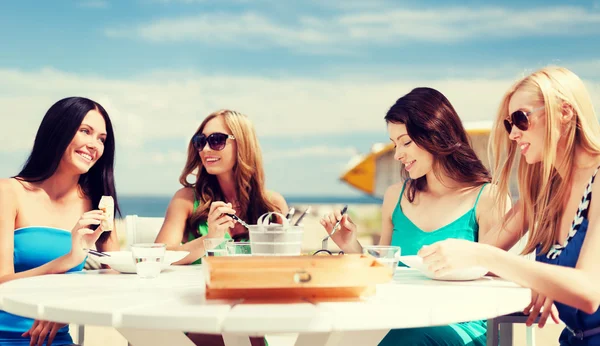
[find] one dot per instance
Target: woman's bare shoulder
(14, 187)
(185, 193)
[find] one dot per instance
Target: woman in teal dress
(225, 159)
(445, 194)
(48, 210)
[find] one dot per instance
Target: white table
(158, 311)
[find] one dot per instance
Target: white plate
(466, 274)
(122, 261)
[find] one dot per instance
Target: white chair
(500, 329)
(77, 333)
(141, 229)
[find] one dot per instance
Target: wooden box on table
(309, 277)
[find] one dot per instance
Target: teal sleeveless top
(34, 246)
(411, 238)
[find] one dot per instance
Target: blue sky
(316, 77)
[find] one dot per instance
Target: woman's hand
(82, 237)
(42, 329)
(218, 221)
(546, 305)
(448, 255)
(345, 236)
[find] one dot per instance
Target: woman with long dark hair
(48, 210)
(445, 194)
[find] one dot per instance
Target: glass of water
(216, 246)
(148, 259)
(239, 249)
(386, 255)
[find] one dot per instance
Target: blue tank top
(34, 246)
(411, 238)
(567, 255)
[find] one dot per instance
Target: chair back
(142, 229)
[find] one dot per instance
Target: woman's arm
(8, 215)
(347, 236)
(171, 233)
(279, 202)
(490, 219)
(578, 287)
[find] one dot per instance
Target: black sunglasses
(520, 119)
(216, 141)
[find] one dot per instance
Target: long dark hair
(433, 124)
(58, 127)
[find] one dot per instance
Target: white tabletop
(175, 302)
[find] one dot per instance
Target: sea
(156, 206)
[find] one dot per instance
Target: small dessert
(107, 205)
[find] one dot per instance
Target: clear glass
(148, 259)
(386, 255)
(275, 240)
(239, 249)
(216, 246)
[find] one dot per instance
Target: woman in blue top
(446, 195)
(548, 116)
(48, 210)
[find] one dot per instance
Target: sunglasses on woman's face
(520, 119)
(216, 141)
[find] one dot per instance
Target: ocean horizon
(156, 206)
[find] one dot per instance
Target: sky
(315, 77)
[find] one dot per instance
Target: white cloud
(170, 157)
(171, 105)
(93, 4)
(247, 30)
(167, 107)
(313, 151)
(461, 23)
(340, 32)
(179, 1)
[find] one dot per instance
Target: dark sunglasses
(520, 119)
(216, 141)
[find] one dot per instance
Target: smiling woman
(68, 171)
(225, 159)
(445, 194)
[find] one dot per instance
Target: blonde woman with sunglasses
(225, 159)
(548, 119)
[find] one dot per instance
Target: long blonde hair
(542, 190)
(248, 173)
